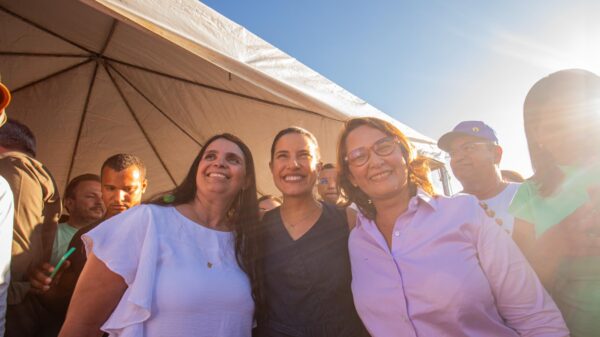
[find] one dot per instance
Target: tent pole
(221, 90)
(51, 75)
(155, 106)
(81, 122)
(139, 124)
(10, 53)
(44, 29)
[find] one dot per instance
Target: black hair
(328, 166)
(122, 161)
(16, 136)
(72, 186)
(297, 130)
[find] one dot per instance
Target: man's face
(327, 186)
(472, 159)
(122, 190)
(86, 204)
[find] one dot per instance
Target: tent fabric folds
(156, 78)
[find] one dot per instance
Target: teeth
(381, 175)
(292, 178)
(218, 175)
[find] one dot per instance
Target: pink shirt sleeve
(520, 297)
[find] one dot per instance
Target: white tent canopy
(156, 78)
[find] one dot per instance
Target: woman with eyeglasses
(306, 270)
(428, 265)
(557, 223)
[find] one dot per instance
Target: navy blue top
(307, 281)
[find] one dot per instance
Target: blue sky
(432, 64)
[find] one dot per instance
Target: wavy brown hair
(418, 168)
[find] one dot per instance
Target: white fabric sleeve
(520, 297)
(6, 234)
(128, 245)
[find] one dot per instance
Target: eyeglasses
(467, 148)
(383, 147)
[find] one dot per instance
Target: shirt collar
(420, 197)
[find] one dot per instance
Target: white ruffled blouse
(183, 278)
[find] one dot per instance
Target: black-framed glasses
(467, 148)
(383, 147)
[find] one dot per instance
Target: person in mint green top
(83, 200)
(557, 210)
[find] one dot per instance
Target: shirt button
(397, 233)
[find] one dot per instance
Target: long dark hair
(417, 166)
(575, 94)
(243, 213)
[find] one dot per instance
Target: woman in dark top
(305, 265)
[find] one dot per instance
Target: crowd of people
(361, 247)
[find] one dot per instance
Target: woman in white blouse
(179, 266)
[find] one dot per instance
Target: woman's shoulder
(459, 209)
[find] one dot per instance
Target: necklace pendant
(209, 265)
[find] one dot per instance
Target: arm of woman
(520, 298)
(545, 255)
(96, 295)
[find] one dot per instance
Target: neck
(487, 188)
(298, 206)
(78, 223)
(211, 213)
(389, 209)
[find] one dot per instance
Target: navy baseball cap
(468, 128)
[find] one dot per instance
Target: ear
(497, 154)
(68, 204)
(144, 185)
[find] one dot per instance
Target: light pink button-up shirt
(451, 271)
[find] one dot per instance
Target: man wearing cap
(475, 161)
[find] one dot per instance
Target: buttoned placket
(401, 225)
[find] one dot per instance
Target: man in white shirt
(6, 234)
(6, 222)
(475, 161)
